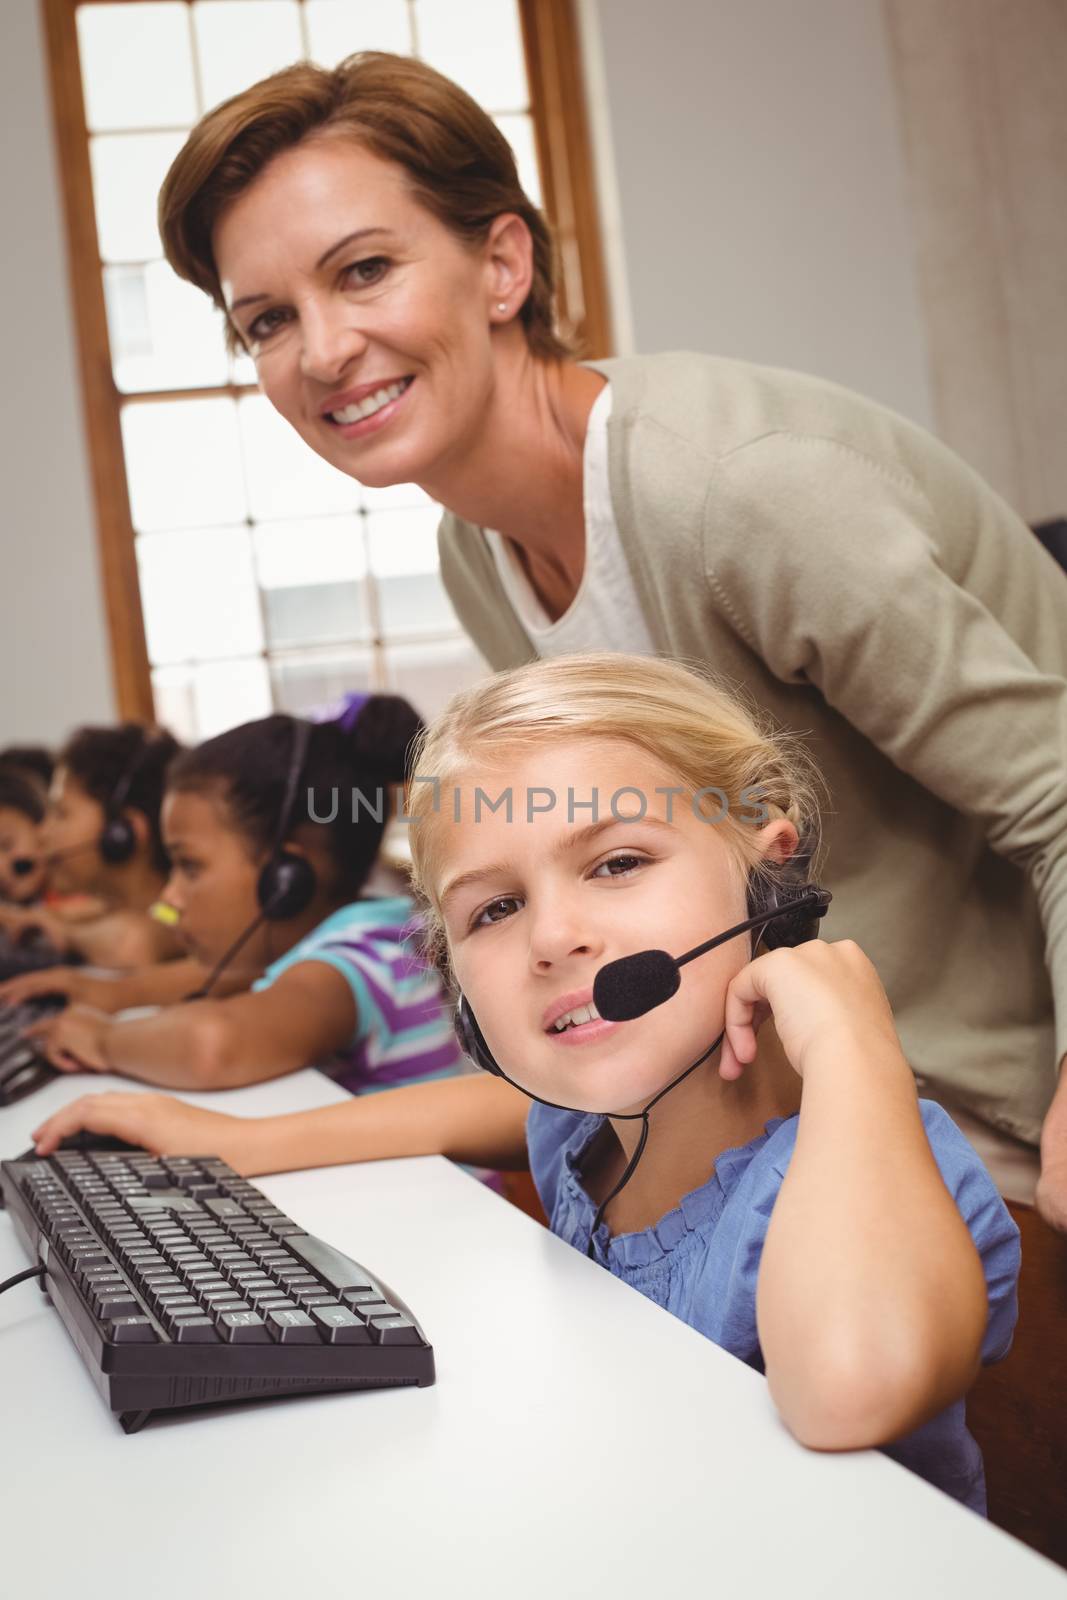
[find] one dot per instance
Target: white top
(605, 613)
(561, 1396)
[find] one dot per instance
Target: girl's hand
(69, 981)
(158, 1122)
(18, 921)
(818, 993)
(74, 1041)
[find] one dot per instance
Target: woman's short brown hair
(459, 165)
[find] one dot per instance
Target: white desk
(579, 1441)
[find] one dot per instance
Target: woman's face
(213, 877)
(19, 843)
(369, 321)
(534, 908)
(71, 831)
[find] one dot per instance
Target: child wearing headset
(774, 1183)
(267, 875)
(22, 867)
(100, 842)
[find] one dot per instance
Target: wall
(54, 662)
(761, 186)
(981, 87)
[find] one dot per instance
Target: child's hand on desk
(158, 1122)
(73, 1041)
(17, 922)
(69, 981)
(820, 995)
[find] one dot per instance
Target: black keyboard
(182, 1285)
(32, 953)
(21, 1068)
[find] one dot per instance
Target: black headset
(117, 843)
(771, 897)
(287, 883)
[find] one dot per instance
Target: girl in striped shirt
(273, 830)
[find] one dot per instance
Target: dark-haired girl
(22, 867)
(100, 841)
(340, 982)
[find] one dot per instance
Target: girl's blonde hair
(696, 728)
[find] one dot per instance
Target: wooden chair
(519, 1189)
(1017, 1410)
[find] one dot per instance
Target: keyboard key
(196, 1330)
(339, 1325)
(292, 1327)
(132, 1330)
(395, 1330)
(243, 1327)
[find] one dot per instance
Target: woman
(365, 233)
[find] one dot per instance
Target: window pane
(285, 476)
(242, 369)
(312, 577)
(338, 27)
(311, 680)
(175, 706)
(198, 594)
(430, 674)
(479, 44)
(403, 557)
(240, 41)
(137, 66)
(183, 463)
(164, 333)
(128, 169)
(228, 692)
(518, 131)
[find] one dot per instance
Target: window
(264, 577)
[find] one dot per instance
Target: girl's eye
(265, 324)
(371, 270)
(495, 911)
(619, 866)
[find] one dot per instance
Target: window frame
(557, 107)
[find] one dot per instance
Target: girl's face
(533, 909)
(19, 841)
(73, 823)
(349, 293)
(212, 880)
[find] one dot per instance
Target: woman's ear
(509, 255)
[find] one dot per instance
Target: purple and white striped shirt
(404, 1028)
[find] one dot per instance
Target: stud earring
(502, 305)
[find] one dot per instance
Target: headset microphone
(784, 912)
(629, 987)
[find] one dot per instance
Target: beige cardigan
(862, 584)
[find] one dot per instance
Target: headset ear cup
(471, 1041)
(786, 932)
(118, 841)
(286, 886)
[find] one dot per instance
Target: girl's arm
(871, 1300)
(305, 1016)
(110, 939)
(164, 984)
(475, 1118)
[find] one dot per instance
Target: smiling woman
(366, 232)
